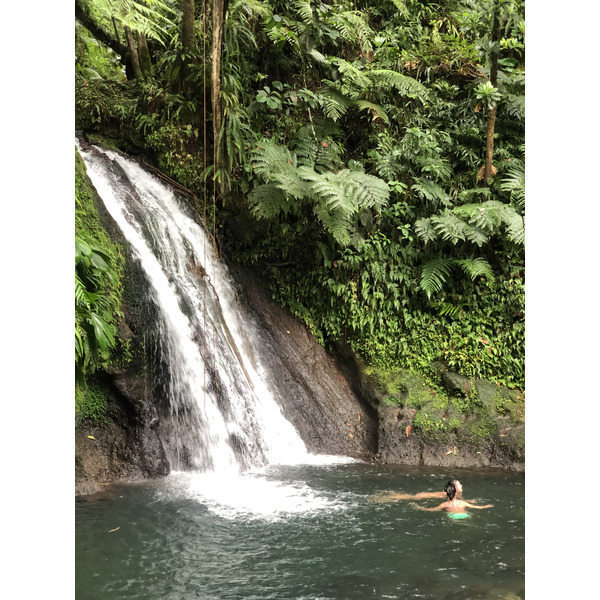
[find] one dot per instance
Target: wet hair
(450, 489)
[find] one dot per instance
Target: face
(458, 487)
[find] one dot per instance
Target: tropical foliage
(377, 149)
(98, 268)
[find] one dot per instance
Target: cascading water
(224, 419)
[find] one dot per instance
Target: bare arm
(475, 506)
(430, 495)
(389, 496)
(419, 507)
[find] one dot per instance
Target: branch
(99, 33)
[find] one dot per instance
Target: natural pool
(301, 532)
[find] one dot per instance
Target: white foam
(254, 496)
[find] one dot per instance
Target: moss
(511, 404)
(439, 417)
(91, 404)
(481, 428)
(401, 387)
(470, 403)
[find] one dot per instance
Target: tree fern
(337, 197)
(330, 191)
(370, 191)
(515, 225)
(476, 235)
(336, 223)
(269, 156)
(150, 17)
(322, 153)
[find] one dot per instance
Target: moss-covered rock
(461, 423)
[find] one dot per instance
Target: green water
(301, 532)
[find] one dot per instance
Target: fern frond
(376, 108)
(476, 267)
(267, 201)
(81, 293)
(353, 28)
(330, 188)
(431, 191)
(305, 11)
(483, 215)
(91, 75)
(514, 183)
(338, 225)
(272, 160)
(515, 225)
(476, 235)
(370, 191)
(405, 85)
(402, 8)
(335, 104)
(353, 74)
(468, 195)
(434, 275)
(322, 154)
(142, 16)
(449, 227)
(318, 57)
(515, 106)
(447, 309)
(424, 229)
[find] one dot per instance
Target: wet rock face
(126, 446)
(319, 393)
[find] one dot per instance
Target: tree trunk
(188, 42)
(188, 36)
(218, 22)
(489, 146)
(491, 122)
(144, 54)
(135, 59)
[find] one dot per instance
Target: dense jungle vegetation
(367, 157)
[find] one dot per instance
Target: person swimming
(389, 496)
(455, 505)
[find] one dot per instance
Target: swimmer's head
(450, 490)
(457, 485)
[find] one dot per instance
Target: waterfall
(223, 416)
